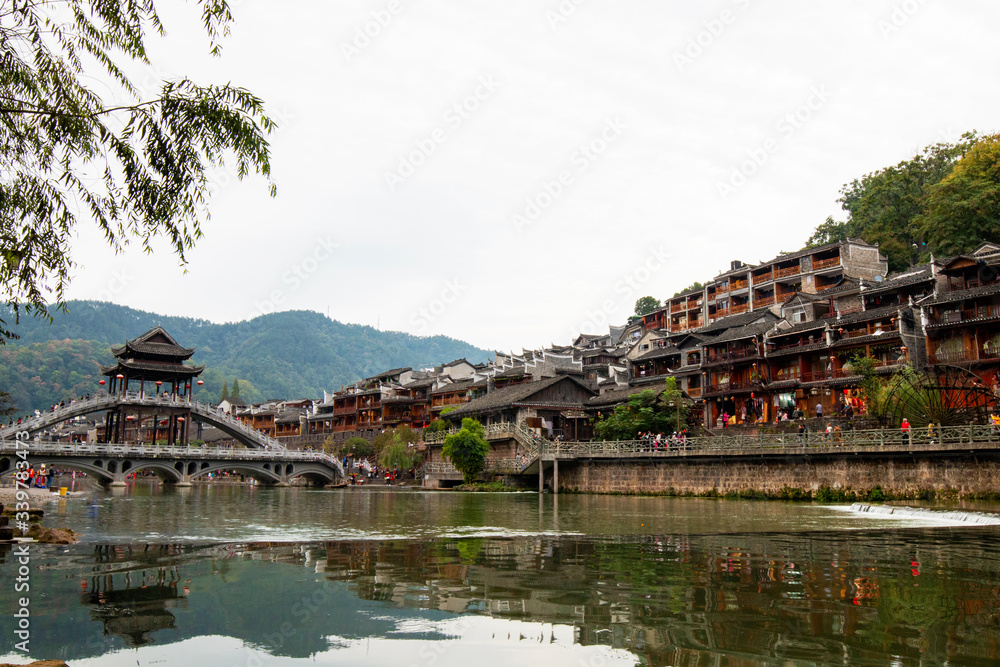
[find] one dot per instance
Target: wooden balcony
(722, 289)
(966, 315)
(677, 307)
(959, 356)
(451, 400)
(694, 392)
(825, 263)
(766, 301)
(731, 355)
(737, 285)
(787, 271)
(739, 308)
(763, 278)
(345, 411)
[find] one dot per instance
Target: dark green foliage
(398, 454)
(357, 447)
(236, 389)
(296, 354)
(645, 412)
(645, 305)
(467, 449)
(887, 207)
(693, 286)
(80, 143)
(40, 374)
(437, 426)
(225, 392)
(963, 209)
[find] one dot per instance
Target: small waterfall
(951, 516)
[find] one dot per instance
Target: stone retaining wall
(900, 475)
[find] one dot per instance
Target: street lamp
(671, 403)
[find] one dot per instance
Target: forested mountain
(295, 354)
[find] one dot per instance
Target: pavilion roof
(156, 343)
(151, 370)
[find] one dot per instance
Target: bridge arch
(162, 469)
(314, 477)
(96, 471)
(248, 469)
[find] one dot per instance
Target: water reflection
(913, 596)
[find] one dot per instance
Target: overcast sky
(511, 173)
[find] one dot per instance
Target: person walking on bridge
(905, 428)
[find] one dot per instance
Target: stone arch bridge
(242, 432)
(111, 464)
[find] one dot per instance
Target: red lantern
(101, 383)
(200, 383)
(159, 382)
(120, 376)
(180, 419)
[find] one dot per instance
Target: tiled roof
(845, 285)
(731, 321)
(614, 396)
(747, 331)
(917, 274)
(867, 315)
(454, 386)
(512, 395)
(153, 367)
(387, 374)
(657, 354)
(805, 326)
(959, 295)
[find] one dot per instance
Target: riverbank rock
(44, 535)
(37, 663)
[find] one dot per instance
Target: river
(238, 575)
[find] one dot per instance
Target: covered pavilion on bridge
(150, 366)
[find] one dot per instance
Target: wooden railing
(763, 278)
(736, 309)
(954, 316)
(763, 301)
(825, 263)
(787, 271)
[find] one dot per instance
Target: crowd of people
(658, 441)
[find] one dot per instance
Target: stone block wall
(964, 474)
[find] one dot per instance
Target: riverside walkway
(540, 453)
(111, 464)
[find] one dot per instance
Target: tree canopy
(693, 286)
(82, 147)
(645, 412)
(645, 305)
(963, 209)
(467, 449)
(889, 207)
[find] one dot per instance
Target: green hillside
(295, 354)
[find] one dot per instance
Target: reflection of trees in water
(129, 594)
(920, 594)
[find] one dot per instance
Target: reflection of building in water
(686, 599)
(134, 604)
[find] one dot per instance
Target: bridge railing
(917, 439)
(108, 401)
(116, 450)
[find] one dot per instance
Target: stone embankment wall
(963, 474)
